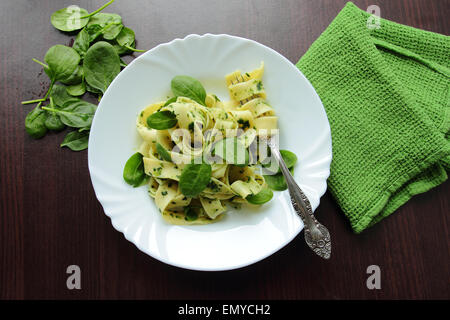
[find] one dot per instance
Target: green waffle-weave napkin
(386, 94)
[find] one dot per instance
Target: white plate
(244, 236)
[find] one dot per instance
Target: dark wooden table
(50, 217)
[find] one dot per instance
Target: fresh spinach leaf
(73, 17)
(104, 19)
(75, 78)
(69, 19)
(190, 213)
(194, 179)
(265, 195)
(163, 152)
(289, 158)
(112, 30)
(94, 31)
(169, 101)
(62, 62)
(92, 90)
(185, 86)
(53, 122)
(76, 114)
(60, 96)
(111, 24)
(126, 39)
(277, 182)
(232, 151)
(162, 120)
(76, 140)
(82, 42)
(133, 172)
(119, 49)
(77, 89)
(35, 123)
(101, 65)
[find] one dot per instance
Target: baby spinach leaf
(185, 86)
(169, 101)
(53, 122)
(133, 172)
(111, 24)
(232, 151)
(162, 120)
(76, 140)
(75, 78)
(119, 49)
(62, 62)
(81, 43)
(94, 31)
(35, 123)
(60, 96)
(126, 39)
(265, 195)
(104, 19)
(163, 152)
(76, 114)
(77, 89)
(112, 30)
(190, 213)
(101, 65)
(69, 19)
(277, 182)
(73, 17)
(289, 158)
(92, 90)
(194, 179)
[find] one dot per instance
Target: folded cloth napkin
(386, 94)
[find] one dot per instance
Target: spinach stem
(47, 94)
(32, 101)
(98, 10)
(49, 89)
(133, 49)
(50, 109)
(39, 62)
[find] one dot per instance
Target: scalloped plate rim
(320, 192)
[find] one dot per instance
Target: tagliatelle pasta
(195, 134)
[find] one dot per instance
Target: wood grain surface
(50, 217)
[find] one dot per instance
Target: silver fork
(317, 235)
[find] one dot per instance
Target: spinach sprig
(73, 17)
(89, 65)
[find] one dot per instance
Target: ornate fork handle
(316, 235)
